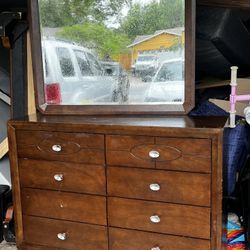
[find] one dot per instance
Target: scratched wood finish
(65, 206)
(79, 178)
(121, 239)
(175, 219)
(177, 187)
(78, 236)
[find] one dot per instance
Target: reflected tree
(157, 15)
(85, 21)
(96, 36)
(58, 13)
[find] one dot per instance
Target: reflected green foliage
(55, 13)
(83, 21)
(58, 13)
(157, 15)
(96, 36)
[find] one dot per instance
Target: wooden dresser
(123, 183)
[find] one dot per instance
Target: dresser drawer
(158, 185)
(64, 235)
(159, 217)
(73, 147)
(62, 176)
(163, 153)
(120, 151)
(121, 239)
(66, 206)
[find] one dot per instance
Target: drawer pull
(155, 219)
(155, 187)
(62, 236)
(155, 248)
(58, 177)
(154, 154)
(57, 148)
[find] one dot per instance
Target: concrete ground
(7, 246)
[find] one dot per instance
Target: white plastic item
(232, 119)
(247, 114)
(234, 75)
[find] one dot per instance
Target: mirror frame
(115, 109)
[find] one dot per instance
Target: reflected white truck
(81, 77)
(168, 83)
(146, 64)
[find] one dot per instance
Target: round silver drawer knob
(155, 248)
(155, 219)
(155, 187)
(57, 148)
(154, 154)
(58, 177)
(62, 236)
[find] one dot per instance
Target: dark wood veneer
(176, 187)
(79, 178)
(79, 236)
(225, 3)
(71, 142)
(175, 154)
(120, 239)
(65, 206)
(79, 148)
(190, 198)
(175, 219)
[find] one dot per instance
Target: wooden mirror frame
(44, 108)
(241, 4)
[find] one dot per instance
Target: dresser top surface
(37, 121)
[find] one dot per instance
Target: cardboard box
(243, 88)
(4, 117)
(225, 105)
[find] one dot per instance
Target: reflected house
(161, 40)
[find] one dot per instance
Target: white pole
(232, 96)
(234, 76)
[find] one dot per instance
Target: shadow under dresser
(117, 183)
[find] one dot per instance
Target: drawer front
(73, 147)
(121, 239)
(64, 235)
(188, 146)
(125, 143)
(62, 176)
(163, 153)
(160, 217)
(119, 151)
(66, 206)
(157, 185)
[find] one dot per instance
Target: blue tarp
(235, 144)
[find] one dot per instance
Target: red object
(53, 93)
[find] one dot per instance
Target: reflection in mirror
(113, 52)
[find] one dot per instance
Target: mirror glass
(113, 52)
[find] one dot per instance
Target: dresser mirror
(113, 57)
